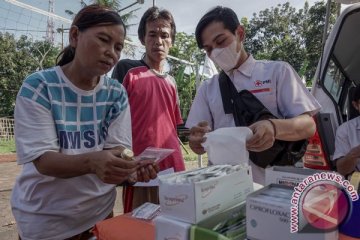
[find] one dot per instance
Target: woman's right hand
(111, 168)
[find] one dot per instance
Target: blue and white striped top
(52, 114)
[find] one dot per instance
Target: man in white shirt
(347, 141)
(274, 83)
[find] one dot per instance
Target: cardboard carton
(268, 216)
(287, 175)
(168, 228)
(196, 201)
(226, 225)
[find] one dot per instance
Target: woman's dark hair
(90, 16)
(153, 14)
(218, 14)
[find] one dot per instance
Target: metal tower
(50, 23)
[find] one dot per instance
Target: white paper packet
(157, 154)
(146, 211)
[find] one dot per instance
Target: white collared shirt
(274, 83)
(347, 137)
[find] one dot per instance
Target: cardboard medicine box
(195, 201)
(268, 216)
(226, 225)
(168, 228)
(288, 175)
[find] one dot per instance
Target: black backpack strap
(252, 108)
(226, 93)
(229, 94)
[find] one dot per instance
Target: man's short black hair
(356, 94)
(153, 14)
(218, 14)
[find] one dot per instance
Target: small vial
(127, 154)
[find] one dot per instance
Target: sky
(186, 12)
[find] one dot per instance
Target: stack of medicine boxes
(269, 210)
(187, 198)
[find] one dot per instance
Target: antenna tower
(50, 23)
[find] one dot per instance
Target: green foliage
(284, 33)
(113, 4)
(185, 48)
(126, 17)
(185, 85)
(188, 154)
(109, 3)
(19, 58)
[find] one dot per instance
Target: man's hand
(354, 152)
(197, 137)
(348, 163)
(147, 172)
(263, 138)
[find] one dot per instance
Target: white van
(337, 74)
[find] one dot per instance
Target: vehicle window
(334, 80)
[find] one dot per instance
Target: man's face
(216, 36)
(157, 39)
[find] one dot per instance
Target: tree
(126, 17)
(185, 48)
(313, 31)
(19, 58)
(283, 33)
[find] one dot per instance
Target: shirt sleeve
(200, 110)
(119, 71)
(177, 113)
(35, 131)
(119, 132)
(342, 142)
(292, 95)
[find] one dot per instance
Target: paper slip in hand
(156, 154)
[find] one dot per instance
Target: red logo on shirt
(258, 83)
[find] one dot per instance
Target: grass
(189, 155)
(7, 146)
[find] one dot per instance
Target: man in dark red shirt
(154, 102)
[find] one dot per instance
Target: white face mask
(226, 58)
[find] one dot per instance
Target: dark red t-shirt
(154, 110)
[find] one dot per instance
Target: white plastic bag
(228, 145)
